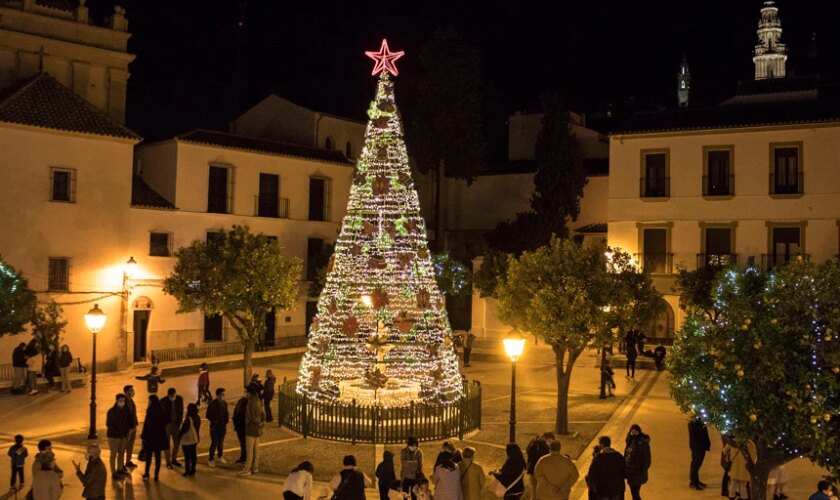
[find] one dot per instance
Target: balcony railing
(271, 206)
(656, 263)
(770, 261)
(716, 260)
(655, 187)
(787, 184)
(719, 185)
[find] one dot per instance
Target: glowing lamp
(95, 319)
(514, 344)
(130, 268)
(366, 300)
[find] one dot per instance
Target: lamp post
(128, 274)
(95, 320)
(514, 344)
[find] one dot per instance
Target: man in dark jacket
(536, 449)
(19, 365)
(217, 415)
(659, 357)
(239, 412)
(131, 409)
(173, 412)
(631, 353)
(95, 475)
(349, 483)
(699, 443)
(607, 472)
(117, 422)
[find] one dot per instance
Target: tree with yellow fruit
(767, 368)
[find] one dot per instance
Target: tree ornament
(369, 228)
(387, 106)
(355, 249)
(423, 253)
(379, 298)
(350, 325)
(382, 154)
(377, 262)
(405, 260)
(390, 228)
(404, 178)
(360, 178)
(333, 306)
(385, 59)
(381, 186)
(315, 377)
(403, 322)
(381, 122)
(423, 299)
(331, 263)
(411, 226)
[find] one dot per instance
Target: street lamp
(130, 267)
(514, 344)
(95, 320)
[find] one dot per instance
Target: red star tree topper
(385, 59)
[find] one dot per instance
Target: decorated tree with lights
(767, 369)
(381, 325)
(17, 300)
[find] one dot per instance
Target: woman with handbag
(446, 478)
(189, 435)
(298, 485)
(509, 482)
(153, 436)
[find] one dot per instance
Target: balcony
(656, 263)
(655, 187)
(716, 260)
(719, 185)
(770, 261)
(792, 184)
(271, 206)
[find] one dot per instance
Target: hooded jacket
(637, 458)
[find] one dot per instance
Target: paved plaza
(63, 418)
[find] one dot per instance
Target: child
(18, 454)
(152, 380)
(204, 396)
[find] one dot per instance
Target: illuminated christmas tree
(381, 335)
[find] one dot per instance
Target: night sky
(594, 53)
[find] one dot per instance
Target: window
(786, 175)
(63, 185)
(717, 245)
(215, 237)
(718, 180)
(268, 201)
(655, 182)
(786, 244)
(319, 198)
(655, 257)
(59, 274)
(213, 328)
(348, 150)
(159, 244)
(219, 192)
(314, 248)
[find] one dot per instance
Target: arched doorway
(662, 327)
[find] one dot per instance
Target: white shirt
(299, 483)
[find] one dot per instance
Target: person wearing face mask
(65, 359)
(411, 464)
(131, 409)
(173, 411)
(95, 475)
(217, 415)
(637, 459)
(118, 423)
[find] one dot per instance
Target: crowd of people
(29, 362)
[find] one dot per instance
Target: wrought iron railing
(271, 206)
(372, 424)
(214, 349)
(656, 263)
(716, 260)
(770, 261)
(793, 183)
(655, 187)
(283, 343)
(714, 185)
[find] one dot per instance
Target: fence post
(353, 415)
(462, 406)
(304, 418)
(411, 420)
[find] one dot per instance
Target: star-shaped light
(384, 59)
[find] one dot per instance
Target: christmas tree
(381, 335)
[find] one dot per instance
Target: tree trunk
(768, 459)
(564, 375)
(247, 368)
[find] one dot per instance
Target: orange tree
(767, 369)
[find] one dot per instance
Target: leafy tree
(695, 289)
(493, 268)
(453, 278)
(17, 300)
(767, 370)
(241, 276)
(48, 325)
(570, 296)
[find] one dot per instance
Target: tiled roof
(142, 195)
(42, 101)
(597, 228)
(213, 138)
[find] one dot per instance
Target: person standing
(204, 396)
(131, 409)
(17, 453)
(349, 483)
(411, 464)
(468, 345)
(268, 394)
(34, 365)
(298, 484)
(636, 460)
(95, 476)
(739, 475)
(154, 435)
(536, 449)
(555, 475)
(472, 475)
(446, 478)
(631, 353)
(590, 486)
(46, 483)
(189, 436)
(117, 422)
(607, 382)
(217, 415)
(51, 370)
(512, 473)
(254, 422)
(699, 443)
(607, 472)
(173, 411)
(659, 357)
(239, 425)
(385, 474)
(19, 365)
(65, 360)
(153, 380)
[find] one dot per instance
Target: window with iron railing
(718, 180)
(655, 182)
(59, 274)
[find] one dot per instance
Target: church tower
(683, 84)
(770, 54)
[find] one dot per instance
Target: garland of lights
(381, 320)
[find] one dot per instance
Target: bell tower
(770, 54)
(683, 84)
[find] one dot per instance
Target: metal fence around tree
(372, 424)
